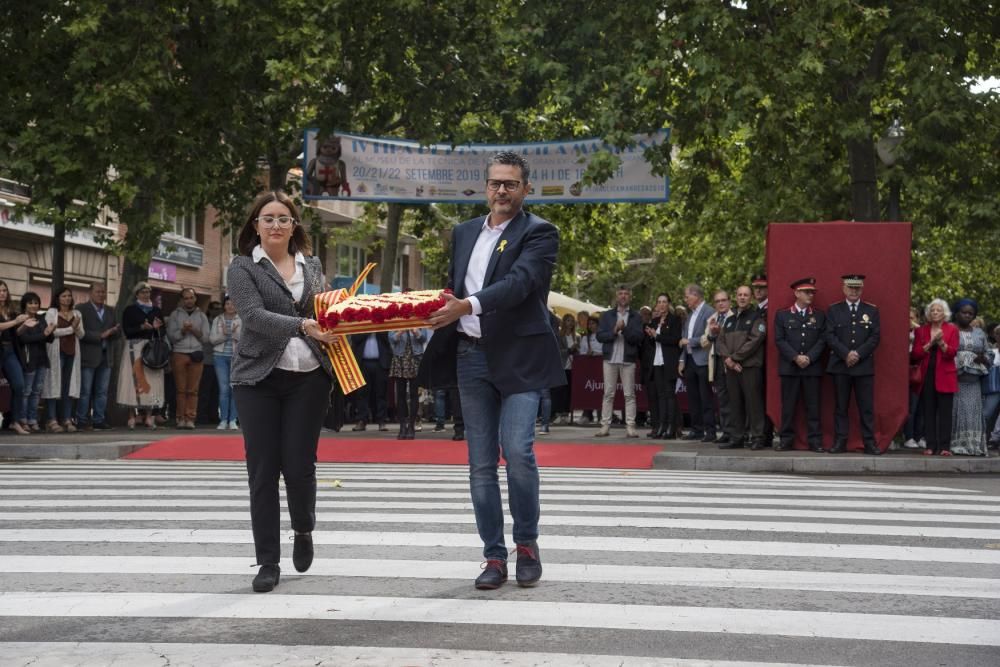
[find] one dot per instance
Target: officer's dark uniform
(760, 280)
(800, 333)
(742, 340)
(853, 329)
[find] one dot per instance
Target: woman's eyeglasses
(282, 221)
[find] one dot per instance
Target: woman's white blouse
(298, 356)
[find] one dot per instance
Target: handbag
(156, 353)
(916, 375)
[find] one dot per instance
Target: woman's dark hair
(56, 295)
(248, 238)
(669, 300)
(29, 297)
(5, 306)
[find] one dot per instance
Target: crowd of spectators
(58, 362)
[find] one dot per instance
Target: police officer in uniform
(852, 334)
(758, 282)
(741, 347)
(798, 335)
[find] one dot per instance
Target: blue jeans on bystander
(14, 373)
(227, 401)
(94, 385)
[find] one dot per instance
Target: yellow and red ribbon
(345, 365)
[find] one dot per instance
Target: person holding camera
(187, 327)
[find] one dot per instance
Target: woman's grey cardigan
(270, 316)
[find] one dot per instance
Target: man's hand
(683, 343)
(110, 332)
(651, 332)
(852, 358)
(619, 326)
(451, 310)
(801, 360)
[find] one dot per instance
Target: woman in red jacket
(934, 347)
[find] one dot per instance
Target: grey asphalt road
(144, 562)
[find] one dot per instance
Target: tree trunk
(58, 255)
(864, 187)
(277, 174)
(390, 248)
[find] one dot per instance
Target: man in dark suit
(374, 356)
(852, 334)
(798, 335)
(694, 356)
(100, 328)
(500, 272)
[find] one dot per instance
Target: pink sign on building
(162, 271)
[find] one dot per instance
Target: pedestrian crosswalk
(144, 562)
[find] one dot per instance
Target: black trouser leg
(456, 409)
(811, 388)
(665, 399)
(864, 395)
(791, 385)
(841, 425)
(721, 388)
(937, 417)
(653, 401)
(751, 382)
(281, 418)
(694, 397)
(737, 406)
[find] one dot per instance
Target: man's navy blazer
(521, 348)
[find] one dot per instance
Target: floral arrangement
(382, 312)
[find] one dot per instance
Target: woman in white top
(280, 375)
(62, 382)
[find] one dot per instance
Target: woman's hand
(312, 329)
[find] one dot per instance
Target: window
(184, 226)
(350, 260)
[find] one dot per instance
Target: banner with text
(348, 166)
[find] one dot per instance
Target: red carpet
(334, 450)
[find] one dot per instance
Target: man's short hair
(94, 286)
(188, 289)
(623, 286)
(509, 158)
(696, 289)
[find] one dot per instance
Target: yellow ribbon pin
(503, 244)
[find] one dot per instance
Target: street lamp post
(889, 153)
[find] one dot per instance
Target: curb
(818, 464)
(39, 450)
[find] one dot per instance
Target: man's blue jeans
(94, 384)
(494, 422)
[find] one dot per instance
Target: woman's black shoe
(267, 578)
(302, 551)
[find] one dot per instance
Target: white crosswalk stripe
(136, 562)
